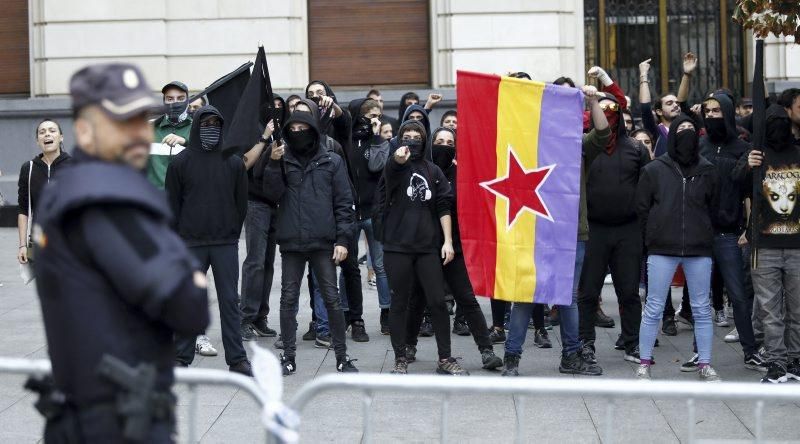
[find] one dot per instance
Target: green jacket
(594, 142)
(160, 153)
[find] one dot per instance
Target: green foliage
(779, 17)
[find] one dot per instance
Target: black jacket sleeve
(742, 173)
(240, 189)
(393, 173)
(644, 199)
(343, 211)
(174, 189)
(273, 183)
(649, 121)
(444, 194)
(22, 189)
(147, 264)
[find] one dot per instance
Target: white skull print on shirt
(418, 188)
(780, 189)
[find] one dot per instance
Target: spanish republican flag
(519, 169)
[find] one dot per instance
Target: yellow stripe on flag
(518, 114)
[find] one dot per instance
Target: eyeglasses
(609, 106)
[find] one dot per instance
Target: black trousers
(351, 275)
(619, 248)
(499, 310)
(293, 266)
(456, 277)
(403, 269)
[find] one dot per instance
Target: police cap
(119, 89)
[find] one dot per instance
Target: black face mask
(687, 150)
(443, 156)
(176, 111)
(778, 133)
(302, 142)
(415, 147)
(362, 129)
(716, 129)
(209, 137)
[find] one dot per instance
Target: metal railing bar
(367, 426)
(609, 434)
(443, 425)
(519, 404)
(759, 411)
(690, 406)
(192, 413)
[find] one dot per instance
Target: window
(14, 57)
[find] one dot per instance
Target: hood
(455, 146)
(313, 107)
(283, 114)
(194, 134)
(328, 89)
(402, 106)
(728, 114)
(620, 129)
(778, 126)
(303, 117)
(673, 131)
(425, 118)
(413, 124)
(354, 108)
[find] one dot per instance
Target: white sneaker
(708, 374)
(608, 280)
(733, 336)
(643, 372)
(720, 319)
(203, 346)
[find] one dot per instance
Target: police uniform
(115, 285)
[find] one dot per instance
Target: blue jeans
(660, 270)
(568, 314)
(376, 257)
(319, 309)
(728, 258)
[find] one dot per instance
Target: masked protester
(171, 132)
(722, 147)
(208, 195)
(468, 310)
(315, 219)
(676, 199)
(408, 99)
(333, 120)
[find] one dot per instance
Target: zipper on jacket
(358, 182)
(683, 210)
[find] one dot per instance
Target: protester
(675, 198)
(450, 120)
(197, 104)
(408, 99)
(291, 102)
(386, 131)
(644, 136)
(744, 108)
(171, 131)
(208, 195)
(375, 95)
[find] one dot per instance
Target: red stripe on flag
(477, 162)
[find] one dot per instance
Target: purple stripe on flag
(560, 136)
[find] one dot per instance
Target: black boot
(574, 364)
(512, 365)
(384, 321)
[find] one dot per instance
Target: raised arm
(689, 65)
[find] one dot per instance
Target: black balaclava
(715, 127)
(687, 148)
(415, 147)
(177, 111)
(209, 137)
(362, 128)
(443, 155)
(778, 132)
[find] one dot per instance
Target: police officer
(115, 282)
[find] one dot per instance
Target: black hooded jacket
(450, 173)
(724, 153)
(255, 187)
(366, 157)
(207, 191)
(675, 204)
(339, 127)
(612, 179)
(417, 195)
(40, 176)
(315, 204)
(401, 112)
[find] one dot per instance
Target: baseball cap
(119, 89)
(175, 84)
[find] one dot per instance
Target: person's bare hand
(434, 98)
(590, 93)
(689, 63)
(594, 71)
(172, 140)
(376, 125)
(22, 255)
(277, 151)
(325, 101)
(402, 154)
(269, 129)
(742, 240)
(339, 254)
(697, 108)
(644, 67)
(755, 158)
(448, 253)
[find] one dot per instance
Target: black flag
(759, 131)
(224, 93)
(255, 105)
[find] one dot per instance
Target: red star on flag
(520, 188)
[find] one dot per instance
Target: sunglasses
(609, 106)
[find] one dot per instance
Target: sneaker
(322, 341)
(603, 320)
(426, 328)
(708, 374)
(685, 318)
(242, 367)
(384, 321)
(620, 344)
(248, 333)
(554, 321)
(574, 364)
(451, 307)
(400, 367)
(643, 372)
(733, 336)
(587, 354)
(460, 328)
(311, 334)
(372, 282)
(411, 353)
(490, 360)
(729, 311)
(345, 365)
(531, 325)
(497, 335)
(541, 340)
(691, 364)
(775, 374)
(756, 362)
(181, 364)
(203, 346)
(793, 370)
(511, 365)
(289, 367)
(668, 326)
(262, 329)
(450, 366)
(279, 343)
(633, 355)
(720, 320)
(362, 260)
(359, 332)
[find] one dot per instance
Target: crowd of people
(666, 187)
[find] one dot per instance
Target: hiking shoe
(279, 343)
(793, 370)
(720, 320)
(384, 321)
(541, 340)
(603, 320)
(411, 353)
(733, 336)
(345, 365)
(203, 346)
(248, 333)
(574, 364)
(776, 374)
(511, 365)
(311, 334)
(242, 367)
(400, 367)
(362, 260)
(426, 328)
(497, 335)
(490, 360)
(450, 366)
(756, 362)
(708, 374)
(668, 326)
(288, 365)
(358, 332)
(685, 318)
(620, 344)
(691, 364)
(451, 306)
(587, 354)
(633, 355)
(262, 329)
(322, 341)
(460, 328)
(372, 281)
(643, 372)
